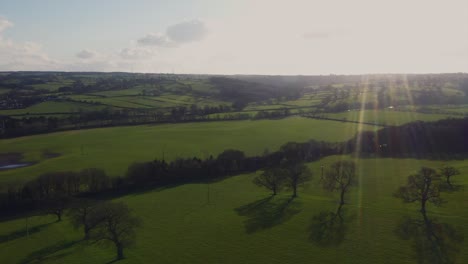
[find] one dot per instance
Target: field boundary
(342, 120)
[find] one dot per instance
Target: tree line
(444, 138)
(242, 92)
(80, 193)
(52, 191)
(30, 125)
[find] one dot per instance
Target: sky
(293, 37)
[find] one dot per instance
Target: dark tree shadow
(267, 213)
(451, 188)
(432, 241)
(49, 253)
(113, 261)
(328, 228)
(22, 233)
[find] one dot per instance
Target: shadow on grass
(268, 212)
(432, 242)
(50, 253)
(328, 228)
(22, 233)
(451, 188)
(113, 261)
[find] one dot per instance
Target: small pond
(14, 166)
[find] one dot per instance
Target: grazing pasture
(241, 223)
(387, 117)
(52, 107)
(113, 149)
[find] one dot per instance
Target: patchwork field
(230, 220)
(53, 86)
(53, 107)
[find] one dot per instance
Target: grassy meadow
(388, 117)
(52, 107)
(239, 224)
(113, 149)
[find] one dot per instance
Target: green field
(124, 92)
(113, 149)
(172, 94)
(167, 93)
(179, 226)
(201, 86)
(53, 86)
(53, 107)
(3, 90)
(455, 109)
(132, 98)
(388, 117)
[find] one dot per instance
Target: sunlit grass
(179, 226)
(113, 149)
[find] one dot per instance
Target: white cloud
(86, 54)
(184, 32)
(130, 59)
(4, 24)
(188, 31)
(136, 53)
(156, 40)
(24, 55)
(90, 60)
(96, 65)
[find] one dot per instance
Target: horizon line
(239, 74)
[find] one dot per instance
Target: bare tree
(436, 242)
(83, 214)
(297, 174)
(422, 187)
(55, 206)
(117, 226)
(340, 177)
(447, 172)
(272, 179)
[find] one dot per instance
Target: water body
(14, 166)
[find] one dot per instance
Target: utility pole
(27, 226)
(163, 152)
(208, 198)
(321, 166)
(2, 129)
(208, 193)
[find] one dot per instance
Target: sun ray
(409, 98)
(364, 93)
